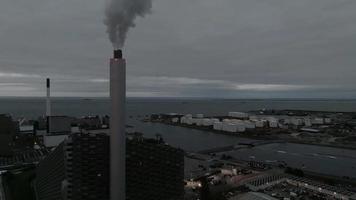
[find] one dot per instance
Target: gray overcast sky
(185, 48)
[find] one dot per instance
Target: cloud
(271, 87)
(18, 75)
(186, 82)
(13, 84)
(14, 89)
(164, 86)
(227, 48)
(99, 80)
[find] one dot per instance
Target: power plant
(48, 104)
(117, 127)
(117, 124)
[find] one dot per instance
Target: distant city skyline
(199, 48)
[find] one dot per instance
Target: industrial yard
(228, 179)
(306, 127)
(222, 173)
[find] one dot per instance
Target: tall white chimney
(117, 127)
(48, 103)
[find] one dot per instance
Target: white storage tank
(229, 127)
(327, 120)
(271, 119)
(226, 121)
(232, 128)
(273, 124)
(307, 122)
(218, 126)
(318, 121)
(199, 122)
(260, 123)
(207, 122)
(249, 125)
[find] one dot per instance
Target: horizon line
(182, 97)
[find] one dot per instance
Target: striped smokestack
(117, 127)
(48, 103)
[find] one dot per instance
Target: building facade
(50, 175)
(79, 169)
(154, 171)
(8, 130)
(59, 125)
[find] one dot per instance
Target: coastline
(253, 137)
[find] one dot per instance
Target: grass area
(18, 184)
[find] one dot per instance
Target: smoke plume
(120, 17)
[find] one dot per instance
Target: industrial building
(24, 157)
(51, 174)
(265, 181)
(58, 130)
(8, 130)
(253, 196)
(90, 122)
(59, 125)
(79, 169)
(155, 171)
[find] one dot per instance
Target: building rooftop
(253, 196)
